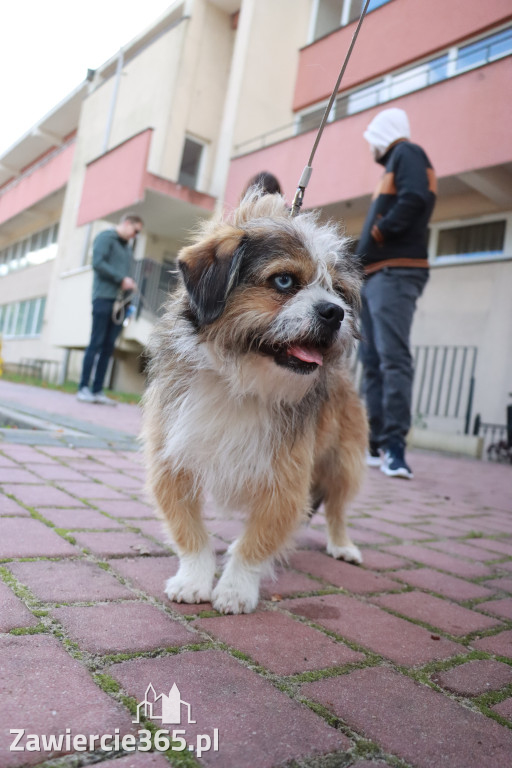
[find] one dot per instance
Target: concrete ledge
(465, 445)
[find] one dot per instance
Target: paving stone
(79, 518)
(260, 635)
(25, 454)
(504, 708)
(361, 536)
(137, 760)
(92, 490)
(117, 480)
(390, 529)
(57, 471)
(464, 550)
(287, 583)
(67, 581)
(504, 566)
(226, 529)
(423, 727)
(308, 538)
(117, 543)
(502, 608)
(125, 509)
(370, 764)
(475, 677)
(500, 644)
(438, 530)
(439, 560)
(501, 546)
(122, 627)
(153, 528)
(10, 507)
(26, 537)
(14, 612)
(5, 461)
(148, 573)
(382, 561)
(42, 496)
(449, 586)
(503, 584)
(258, 724)
(437, 612)
(373, 628)
(17, 475)
(346, 575)
(45, 692)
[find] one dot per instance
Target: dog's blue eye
(283, 282)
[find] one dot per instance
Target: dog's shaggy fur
(249, 397)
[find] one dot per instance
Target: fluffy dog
(249, 397)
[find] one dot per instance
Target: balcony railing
(155, 281)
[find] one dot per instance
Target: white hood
(385, 128)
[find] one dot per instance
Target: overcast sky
(48, 45)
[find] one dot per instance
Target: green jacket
(111, 261)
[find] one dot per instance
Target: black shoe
(394, 463)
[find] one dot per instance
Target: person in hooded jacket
(393, 253)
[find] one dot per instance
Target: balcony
(343, 169)
(418, 29)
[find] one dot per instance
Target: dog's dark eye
(283, 282)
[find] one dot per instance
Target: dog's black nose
(330, 314)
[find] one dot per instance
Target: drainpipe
(231, 104)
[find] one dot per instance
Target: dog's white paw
(181, 590)
(194, 580)
(229, 598)
(350, 553)
(239, 586)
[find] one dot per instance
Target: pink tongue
(306, 355)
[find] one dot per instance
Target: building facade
(174, 125)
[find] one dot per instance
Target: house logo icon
(165, 708)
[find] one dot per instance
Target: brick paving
(404, 661)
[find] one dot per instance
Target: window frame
(464, 259)
(199, 187)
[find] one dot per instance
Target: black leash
(308, 170)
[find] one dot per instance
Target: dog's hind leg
(340, 471)
(179, 504)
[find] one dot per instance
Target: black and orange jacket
(401, 208)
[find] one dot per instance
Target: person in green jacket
(111, 261)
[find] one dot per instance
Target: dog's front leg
(180, 505)
(275, 515)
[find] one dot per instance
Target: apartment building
(448, 64)
(174, 124)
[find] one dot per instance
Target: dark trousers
(103, 338)
(388, 302)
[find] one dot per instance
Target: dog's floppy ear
(210, 270)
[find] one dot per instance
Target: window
(22, 319)
(36, 249)
(488, 238)
(328, 15)
(488, 49)
(474, 240)
(365, 98)
(191, 163)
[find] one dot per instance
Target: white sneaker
(102, 399)
(373, 460)
(85, 395)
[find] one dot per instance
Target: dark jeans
(103, 338)
(388, 302)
